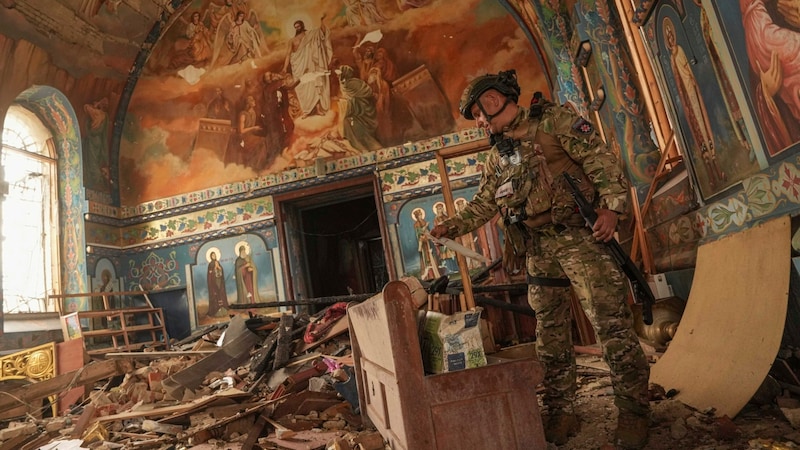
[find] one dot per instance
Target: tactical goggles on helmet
(504, 82)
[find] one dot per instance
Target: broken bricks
(252, 388)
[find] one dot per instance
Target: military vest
(530, 188)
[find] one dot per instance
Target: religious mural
(96, 145)
(765, 44)
(420, 256)
(105, 281)
(710, 118)
(238, 89)
(235, 270)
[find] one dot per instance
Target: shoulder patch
(582, 126)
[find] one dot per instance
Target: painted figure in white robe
(309, 56)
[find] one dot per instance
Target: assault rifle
(641, 290)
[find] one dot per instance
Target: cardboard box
(452, 342)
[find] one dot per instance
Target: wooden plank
(255, 432)
(90, 373)
(467, 298)
(83, 421)
(95, 294)
(40, 441)
(150, 304)
(158, 354)
(203, 434)
(90, 295)
(281, 431)
(307, 440)
(15, 442)
(647, 258)
(283, 348)
(176, 409)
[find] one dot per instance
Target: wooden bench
(493, 406)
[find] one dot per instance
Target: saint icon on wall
(428, 265)
(447, 256)
(246, 275)
(215, 276)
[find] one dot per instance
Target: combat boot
(632, 430)
(560, 427)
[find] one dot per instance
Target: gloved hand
(439, 231)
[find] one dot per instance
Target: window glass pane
(17, 133)
(23, 232)
(27, 232)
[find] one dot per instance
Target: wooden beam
(283, 347)
(662, 163)
(255, 432)
(15, 442)
(653, 100)
(640, 234)
(463, 149)
(386, 240)
(468, 302)
(83, 421)
(40, 441)
(157, 354)
(96, 294)
(639, 213)
(363, 184)
(88, 374)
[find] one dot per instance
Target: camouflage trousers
(600, 286)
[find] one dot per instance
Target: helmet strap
(488, 116)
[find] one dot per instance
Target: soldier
(523, 180)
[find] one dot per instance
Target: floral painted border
(426, 173)
(235, 214)
(289, 176)
(772, 193)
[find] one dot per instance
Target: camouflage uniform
(540, 222)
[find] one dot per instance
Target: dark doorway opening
(343, 246)
(334, 244)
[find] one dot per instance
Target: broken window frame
(30, 166)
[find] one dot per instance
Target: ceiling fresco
(97, 37)
(236, 89)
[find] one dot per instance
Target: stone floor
(673, 424)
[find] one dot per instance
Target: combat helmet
(504, 82)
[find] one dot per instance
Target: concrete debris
(278, 383)
(263, 387)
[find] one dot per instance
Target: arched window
(29, 214)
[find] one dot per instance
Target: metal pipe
(307, 301)
(519, 309)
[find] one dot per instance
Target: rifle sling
(548, 282)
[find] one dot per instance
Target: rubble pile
(287, 382)
(266, 382)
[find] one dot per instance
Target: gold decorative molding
(37, 363)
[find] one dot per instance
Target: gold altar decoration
(35, 364)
